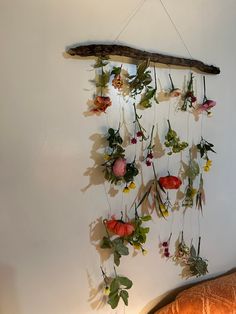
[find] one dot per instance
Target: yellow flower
(165, 213)
(106, 290)
(162, 207)
(106, 157)
(126, 190)
(137, 246)
(209, 163)
(144, 252)
(206, 168)
(132, 185)
(193, 192)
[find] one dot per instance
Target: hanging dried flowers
(140, 132)
(101, 102)
(188, 98)
(173, 141)
(116, 168)
(204, 147)
(182, 251)
(117, 81)
(149, 150)
(131, 232)
(207, 104)
(165, 247)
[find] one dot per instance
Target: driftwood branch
(118, 50)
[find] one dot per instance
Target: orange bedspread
(216, 296)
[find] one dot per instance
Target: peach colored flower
(101, 103)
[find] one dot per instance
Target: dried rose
(207, 105)
(175, 92)
(101, 103)
(119, 167)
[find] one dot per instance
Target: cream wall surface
(48, 262)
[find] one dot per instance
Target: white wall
(48, 264)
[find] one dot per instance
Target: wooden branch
(118, 50)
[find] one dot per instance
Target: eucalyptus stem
(137, 118)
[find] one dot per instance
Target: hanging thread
(130, 18)
(176, 29)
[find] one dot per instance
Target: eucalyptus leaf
(124, 281)
(124, 295)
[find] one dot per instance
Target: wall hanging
(162, 194)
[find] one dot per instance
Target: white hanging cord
(107, 198)
(130, 18)
(176, 29)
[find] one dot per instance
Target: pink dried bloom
(119, 167)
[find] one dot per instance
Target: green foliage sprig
(149, 149)
(140, 80)
(116, 288)
(103, 77)
(191, 172)
(148, 95)
(197, 265)
(173, 141)
(204, 147)
(191, 261)
(140, 131)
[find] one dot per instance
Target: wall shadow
(95, 173)
(9, 303)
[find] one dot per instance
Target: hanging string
(176, 29)
(130, 18)
(107, 198)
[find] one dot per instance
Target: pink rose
(207, 105)
(119, 167)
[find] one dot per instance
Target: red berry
(165, 244)
(150, 155)
(148, 163)
(193, 98)
(139, 134)
(166, 250)
(166, 254)
(133, 140)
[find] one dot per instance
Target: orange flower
(101, 103)
(119, 227)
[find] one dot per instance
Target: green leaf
(116, 71)
(113, 300)
(106, 243)
(193, 251)
(124, 281)
(146, 218)
(124, 295)
(122, 249)
(117, 257)
(115, 285)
